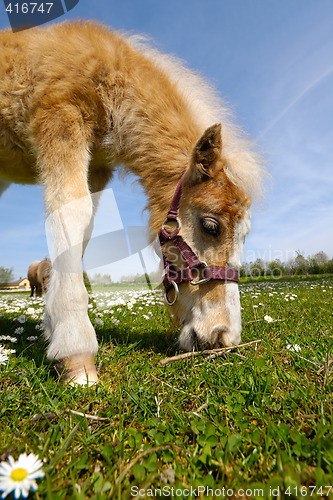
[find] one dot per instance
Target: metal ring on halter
(204, 280)
(171, 302)
(171, 220)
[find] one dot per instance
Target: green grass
(259, 418)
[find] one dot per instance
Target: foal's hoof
(79, 370)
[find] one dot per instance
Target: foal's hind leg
(63, 161)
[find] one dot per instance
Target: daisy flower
(99, 321)
(22, 318)
(33, 338)
(20, 476)
(268, 319)
(19, 330)
(8, 337)
(3, 355)
(294, 347)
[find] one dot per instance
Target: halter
(197, 271)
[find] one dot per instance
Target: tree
(300, 264)
(101, 279)
(321, 258)
(257, 268)
(276, 268)
(328, 267)
(6, 275)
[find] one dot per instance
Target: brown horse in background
(39, 276)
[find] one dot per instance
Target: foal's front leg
(72, 339)
(60, 138)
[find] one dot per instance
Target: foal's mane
(244, 163)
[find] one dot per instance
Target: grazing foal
(76, 100)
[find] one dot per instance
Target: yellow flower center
(18, 474)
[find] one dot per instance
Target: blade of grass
(62, 450)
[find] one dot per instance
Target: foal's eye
(210, 225)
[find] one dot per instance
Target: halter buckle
(168, 219)
(171, 302)
(203, 280)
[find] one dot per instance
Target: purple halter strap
(197, 271)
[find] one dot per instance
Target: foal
(76, 100)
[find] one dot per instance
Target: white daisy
(8, 337)
(20, 476)
(99, 321)
(268, 319)
(294, 347)
(22, 318)
(3, 356)
(33, 338)
(19, 330)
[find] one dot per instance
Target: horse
(77, 100)
(39, 276)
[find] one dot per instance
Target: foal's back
(52, 67)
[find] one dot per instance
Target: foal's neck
(157, 135)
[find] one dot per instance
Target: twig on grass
(172, 387)
(91, 417)
(207, 352)
(305, 359)
(325, 368)
(262, 319)
(197, 412)
(51, 415)
(239, 355)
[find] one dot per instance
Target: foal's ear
(206, 152)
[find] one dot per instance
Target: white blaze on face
(211, 320)
(232, 301)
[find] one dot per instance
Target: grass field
(255, 423)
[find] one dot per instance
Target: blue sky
(272, 62)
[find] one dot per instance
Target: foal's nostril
(198, 343)
(220, 337)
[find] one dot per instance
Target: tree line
(299, 265)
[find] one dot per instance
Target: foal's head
(215, 218)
